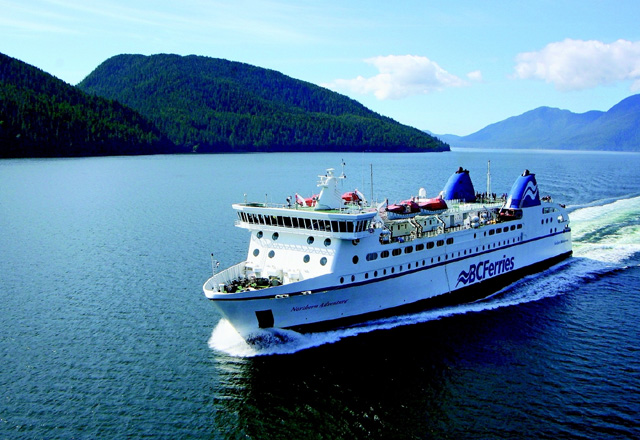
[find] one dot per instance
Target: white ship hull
(456, 263)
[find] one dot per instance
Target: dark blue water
(105, 332)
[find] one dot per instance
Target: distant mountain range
(550, 128)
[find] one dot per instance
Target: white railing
(226, 276)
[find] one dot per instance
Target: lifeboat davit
(353, 197)
(435, 204)
(404, 207)
(307, 201)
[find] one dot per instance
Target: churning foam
(605, 237)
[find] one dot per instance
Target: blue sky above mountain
(450, 67)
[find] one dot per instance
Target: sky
(450, 67)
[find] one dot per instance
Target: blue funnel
(524, 192)
(459, 187)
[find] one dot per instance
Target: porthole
(310, 240)
(366, 276)
(306, 258)
(353, 277)
(275, 236)
(259, 234)
(355, 259)
(375, 273)
(341, 280)
(393, 269)
(323, 261)
(256, 252)
(327, 242)
(272, 254)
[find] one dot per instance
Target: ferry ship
(333, 259)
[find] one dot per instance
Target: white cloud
(476, 75)
(578, 64)
(400, 76)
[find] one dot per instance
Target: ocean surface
(105, 332)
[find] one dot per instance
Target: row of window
(500, 230)
(418, 264)
(310, 239)
(305, 223)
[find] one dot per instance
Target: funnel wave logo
(530, 192)
(485, 269)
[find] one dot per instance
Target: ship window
(353, 277)
(375, 273)
(519, 226)
(275, 236)
(259, 234)
(499, 230)
(440, 242)
(396, 252)
(260, 219)
(271, 254)
(355, 259)
(430, 245)
(409, 266)
(341, 280)
(449, 240)
(372, 256)
(306, 258)
(327, 242)
(349, 226)
(310, 240)
(384, 272)
(408, 249)
(393, 270)
(327, 225)
(384, 254)
(307, 224)
(323, 261)
(334, 226)
(366, 276)
(279, 221)
(419, 247)
(256, 252)
(492, 231)
(294, 222)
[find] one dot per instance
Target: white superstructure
(336, 261)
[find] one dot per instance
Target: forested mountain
(42, 116)
(214, 105)
(617, 130)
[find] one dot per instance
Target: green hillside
(42, 116)
(214, 105)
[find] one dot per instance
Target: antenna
(489, 179)
(214, 265)
(371, 168)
